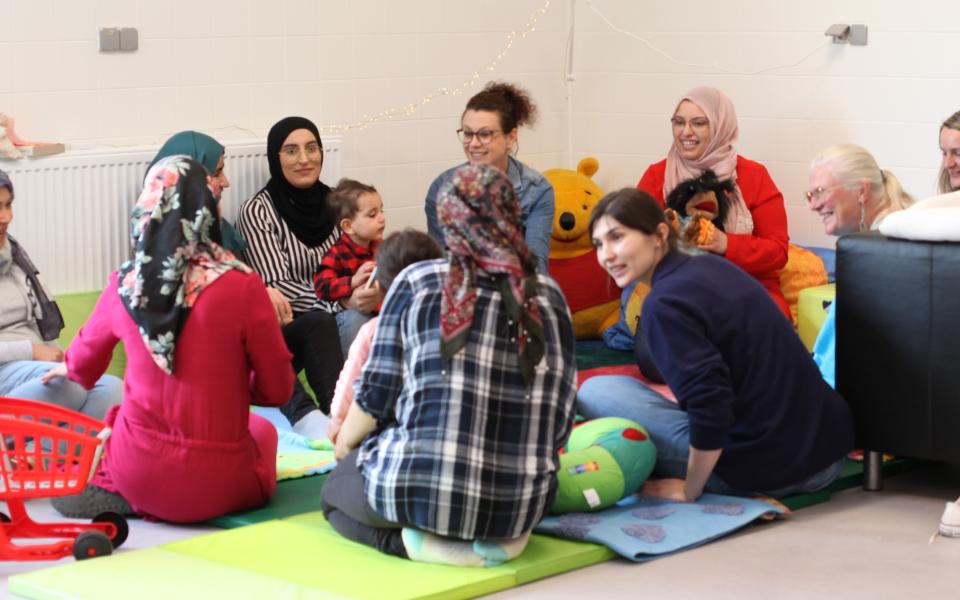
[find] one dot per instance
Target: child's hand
(362, 274)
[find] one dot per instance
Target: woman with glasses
(288, 226)
(488, 132)
(949, 180)
(850, 193)
(754, 235)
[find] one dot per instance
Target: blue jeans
(21, 379)
(349, 323)
(669, 429)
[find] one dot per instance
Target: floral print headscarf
(480, 217)
(175, 229)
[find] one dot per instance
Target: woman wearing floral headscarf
(202, 344)
(449, 451)
(754, 235)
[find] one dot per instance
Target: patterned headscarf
(175, 231)
(720, 155)
(480, 218)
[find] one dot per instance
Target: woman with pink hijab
(754, 235)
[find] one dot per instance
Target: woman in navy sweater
(753, 415)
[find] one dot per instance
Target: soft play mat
(642, 528)
(301, 558)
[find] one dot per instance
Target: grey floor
(858, 545)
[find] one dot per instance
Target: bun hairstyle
(512, 104)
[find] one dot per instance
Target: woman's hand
(670, 489)
(718, 245)
(281, 305)
(58, 371)
(364, 299)
(45, 353)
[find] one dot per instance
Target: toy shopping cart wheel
(51, 451)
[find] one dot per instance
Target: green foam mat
(293, 497)
(75, 309)
(300, 557)
(593, 353)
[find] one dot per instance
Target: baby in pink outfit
(395, 253)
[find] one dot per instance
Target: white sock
(313, 425)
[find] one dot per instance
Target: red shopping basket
(51, 451)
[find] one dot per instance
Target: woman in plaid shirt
(449, 452)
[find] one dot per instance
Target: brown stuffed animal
(697, 208)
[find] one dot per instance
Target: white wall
(888, 96)
(233, 67)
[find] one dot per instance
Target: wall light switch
(129, 39)
(109, 39)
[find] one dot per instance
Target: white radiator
(72, 210)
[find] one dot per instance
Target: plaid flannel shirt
(464, 447)
(338, 265)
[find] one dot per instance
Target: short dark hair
(344, 198)
(400, 250)
(635, 209)
(512, 105)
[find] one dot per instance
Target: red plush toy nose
(634, 434)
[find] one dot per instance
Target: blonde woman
(950, 148)
(851, 193)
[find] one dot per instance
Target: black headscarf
(306, 212)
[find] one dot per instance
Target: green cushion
(75, 309)
(293, 497)
(301, 557)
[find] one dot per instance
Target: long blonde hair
(852, 164)
(943, 180)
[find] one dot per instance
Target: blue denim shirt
(536, 203)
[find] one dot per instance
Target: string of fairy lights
(410, 109)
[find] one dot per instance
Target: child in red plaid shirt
(349, 263)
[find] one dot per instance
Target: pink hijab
(720, 155)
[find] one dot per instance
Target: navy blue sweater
(741, 373)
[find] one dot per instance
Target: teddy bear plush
(697, 207)
(593, 297)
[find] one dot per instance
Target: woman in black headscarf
(288, 226)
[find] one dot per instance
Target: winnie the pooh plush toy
(593, 297)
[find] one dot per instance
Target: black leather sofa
(898, 346)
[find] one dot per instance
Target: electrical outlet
(129, 39)
(109, 39)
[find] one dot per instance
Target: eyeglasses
(312, 149)
(483, 136)
(817, 193)
(695, 123)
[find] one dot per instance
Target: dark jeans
(314, 340)
(344, 504)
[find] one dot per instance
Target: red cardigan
(762, 253)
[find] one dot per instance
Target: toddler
(348, 264)
(396, 253)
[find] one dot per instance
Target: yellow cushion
(812, 305)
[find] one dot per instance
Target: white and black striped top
(279, 257)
